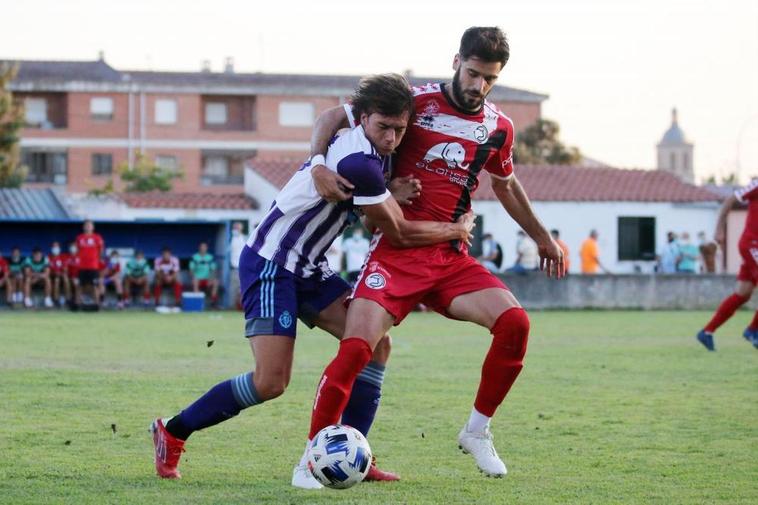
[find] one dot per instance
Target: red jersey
(749, 195)
(73, 265)
(58, 263)
(90, 246)
(447, 148)
(3, 268)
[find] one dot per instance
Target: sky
(613, 69)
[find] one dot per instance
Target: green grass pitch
(612, 407)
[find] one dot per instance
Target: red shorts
(749, 268)
(204, 283)
(400, 279)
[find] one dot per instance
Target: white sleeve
(349, 113)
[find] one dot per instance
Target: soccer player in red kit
(455, 134)
(58, 261)
(90, 247)
(747, 277)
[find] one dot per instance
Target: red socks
(725, 311)
(504, 360)
(335, 385)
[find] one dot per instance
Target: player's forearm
(514, 200)
(723, 212)
(423, 233)
(327, 125)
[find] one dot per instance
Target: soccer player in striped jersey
(284, 275)
(454, 137)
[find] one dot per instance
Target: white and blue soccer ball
(339, 456)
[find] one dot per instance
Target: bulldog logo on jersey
(452, 153)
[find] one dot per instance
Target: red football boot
(376, 475)
(168, 450)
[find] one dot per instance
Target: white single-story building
(632, 211)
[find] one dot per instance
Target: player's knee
(511, 333)
(270, 386)
(382, 350)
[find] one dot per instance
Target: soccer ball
(339, 456)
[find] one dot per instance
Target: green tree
(538, 144)
(145, 175)
(12, 173)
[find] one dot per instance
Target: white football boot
(480, 446)
(302, 477)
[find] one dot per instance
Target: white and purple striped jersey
(300, 226)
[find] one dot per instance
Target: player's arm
(330, 185)
(719, 235)
(388, 217)
(514, 200)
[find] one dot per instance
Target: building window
(636, 238)
(50, 167)
(686, 163)
(166, 162)
(102, 164)
(222, 169)
(36, 112)
(215, 113)
(672, 161)
(296, 114)
(101, 108)
(165, 111)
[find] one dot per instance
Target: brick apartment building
(85, 118)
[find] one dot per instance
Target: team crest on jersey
(375, 281)
(285, 319)
(481, 134)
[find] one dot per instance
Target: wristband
(318, 160)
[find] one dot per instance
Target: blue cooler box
(193, 302)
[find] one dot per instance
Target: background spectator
(566, 259)
(137, 274)
(356, 249)
(58, 277)
(203, 272)
(110, 275)
(590, 255)
(236, 245)
(167, 273)
(492, 254)
(5, 280)
(688, 254)
(36, 273)
(527, 255)
(72, 272)
(91, 247)
(16, 268)
(670, 255)
(708, 250)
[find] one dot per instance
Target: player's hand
(551, 259)
(330, 185)
(405, 189)
(466, 224)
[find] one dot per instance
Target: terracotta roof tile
(169, 200)
(561, 183)
(557, 183)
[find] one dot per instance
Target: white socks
(477, 422)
